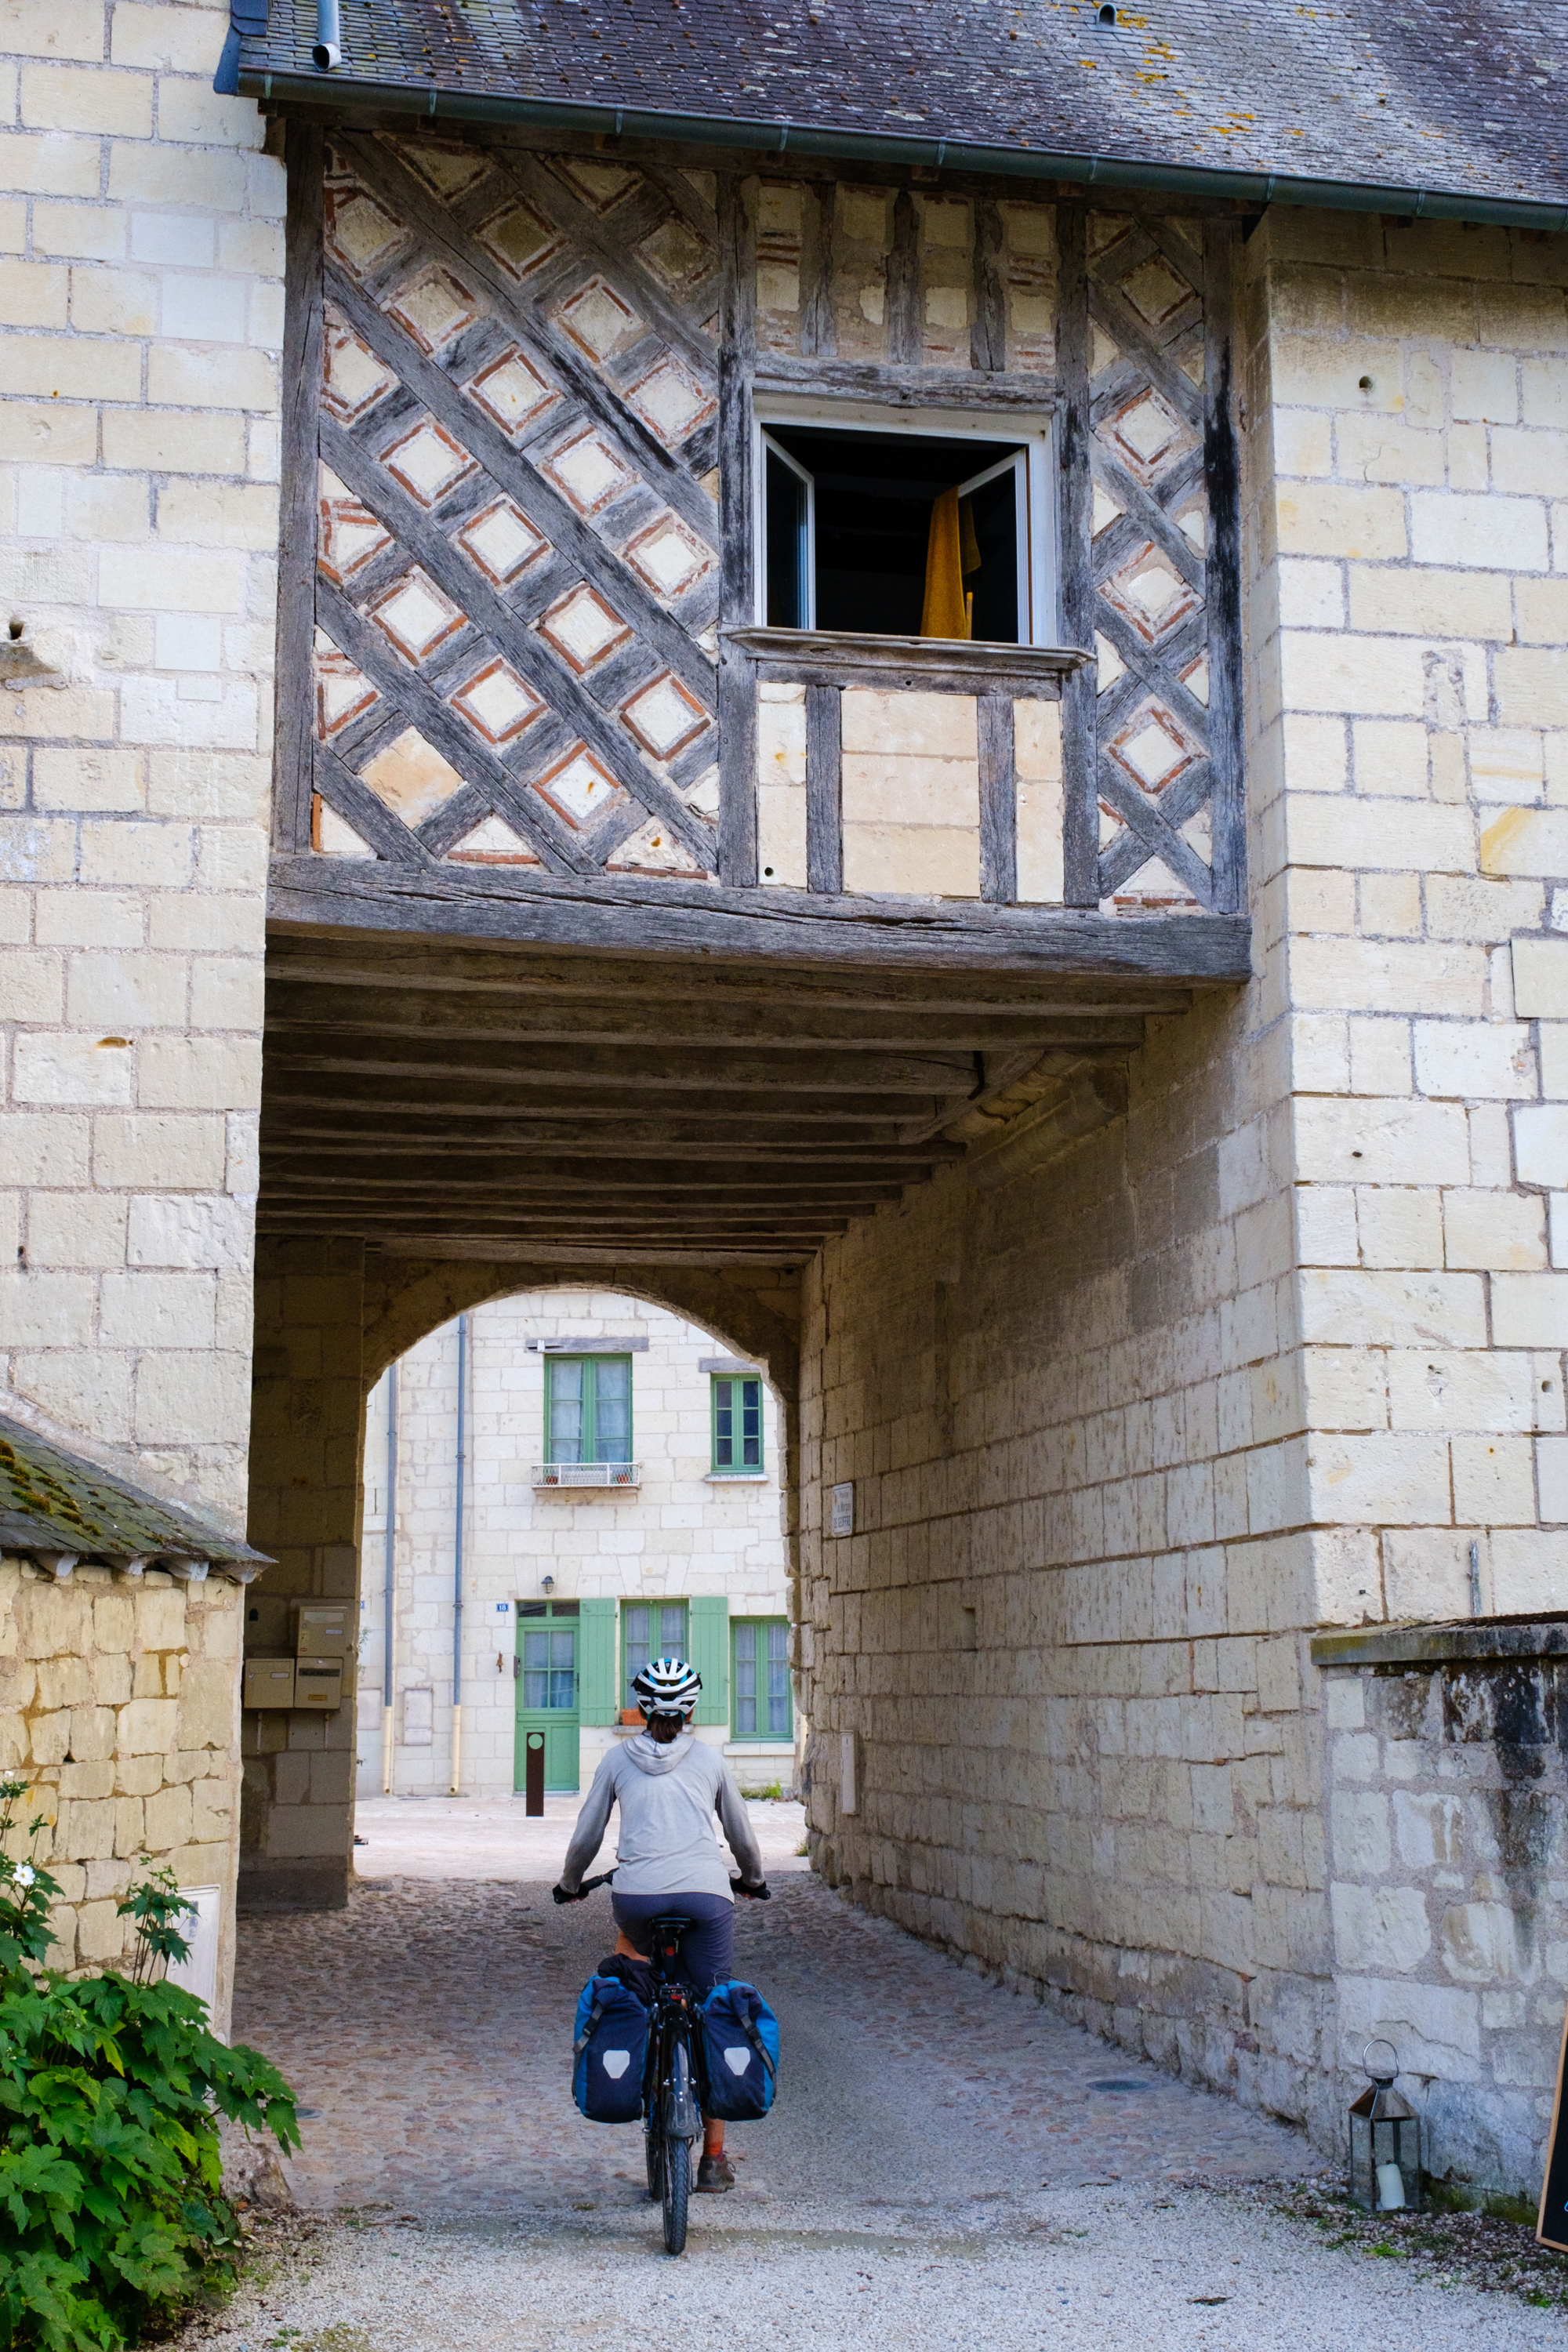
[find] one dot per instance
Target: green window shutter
(710, 1654)
(598, 1683)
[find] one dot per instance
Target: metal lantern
(1385, 2140)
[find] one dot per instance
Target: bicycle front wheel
(677, 2193)
(652, 2148)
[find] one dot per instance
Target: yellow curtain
(951, 550)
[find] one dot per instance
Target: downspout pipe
(327, 54)
(778, 138)
(389, 1577)
(458, 1559)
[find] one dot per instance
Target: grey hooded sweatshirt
(667, 1798)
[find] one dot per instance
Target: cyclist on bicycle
(668, 1785)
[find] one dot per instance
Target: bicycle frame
(670, 2096)
(672, 2115)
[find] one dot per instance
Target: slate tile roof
(1419, 94)
(55, 1504)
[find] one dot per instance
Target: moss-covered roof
(57, 1506)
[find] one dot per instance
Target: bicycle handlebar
(760, 1892)
(585, 1890)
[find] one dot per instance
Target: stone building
(659, 1532)
(904, 694)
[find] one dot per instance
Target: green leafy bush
(111, 2207)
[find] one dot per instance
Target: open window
(855, 534)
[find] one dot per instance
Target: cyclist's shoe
(715, 2175)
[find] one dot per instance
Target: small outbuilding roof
(1430, 106)
(62, 1510)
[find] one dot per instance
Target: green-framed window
(587, 1408)
(737, 1425)
(759, 1679)
(650, 1629)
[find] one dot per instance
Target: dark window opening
(848, 539)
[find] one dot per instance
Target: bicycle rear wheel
(652, 2148)
(676, 2171)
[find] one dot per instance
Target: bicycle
(672, 2109)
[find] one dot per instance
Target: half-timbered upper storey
(730, 477)
(659, 530)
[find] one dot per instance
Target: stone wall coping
(1437, 1645)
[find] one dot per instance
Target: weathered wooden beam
(995, 391)
(905, 325)
(822, 1070)
(295, 693)
(308, 1007)
(818, 337)
(736, 206)
(840, 657)
(620, 914)
(325, 1128)
(999, 799)
(1222, 467)
(394, 1093)
(373, 962)
(823, 789)
(1081, 843)
(988, 336)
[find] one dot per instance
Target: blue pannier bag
(609, 2051)
(739, 2053)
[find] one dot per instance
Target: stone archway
(330, 1316)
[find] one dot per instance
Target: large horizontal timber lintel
(626, 916)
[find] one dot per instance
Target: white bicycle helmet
(668, 1686)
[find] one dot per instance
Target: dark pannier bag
(738, 2046)
(609, 2051)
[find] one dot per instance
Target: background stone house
(576, 1584)
(1118, 1100)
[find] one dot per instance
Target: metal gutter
(389, 1581)
(778, 138)
(458, 1559)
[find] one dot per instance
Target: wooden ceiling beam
(296, 1010)
(820, 1072)
(393, 1096)
(315, 1134)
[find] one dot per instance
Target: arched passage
(330, 1316)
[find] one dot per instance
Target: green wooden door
(546, 1688)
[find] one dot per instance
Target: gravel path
(948, 2165)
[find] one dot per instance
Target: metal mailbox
(318, 1683)
(269, 1682)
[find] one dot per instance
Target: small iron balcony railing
(587, 1474)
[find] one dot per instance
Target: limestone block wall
(140, 328)
(118, 1704)
(1410, 612)
(1065, 1636)
(1448, 1879)
(1285, 1349)
(682, 1531)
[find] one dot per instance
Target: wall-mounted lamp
(547, 1584)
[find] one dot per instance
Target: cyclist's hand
(566, 1894)
(760, 1892)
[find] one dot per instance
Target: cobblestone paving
(948, 2167)
(426, 2028)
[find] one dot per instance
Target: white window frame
(1039, 558)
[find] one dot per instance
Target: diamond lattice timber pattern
(516, 586)
(578, 1108)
